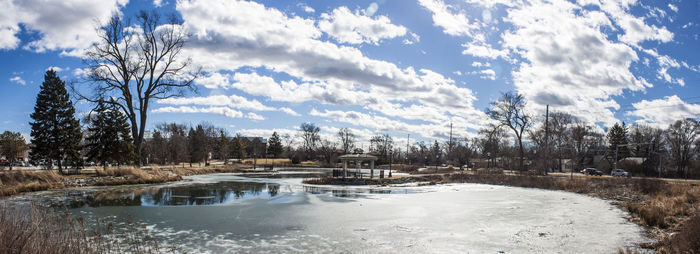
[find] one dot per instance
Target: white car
(618, 172)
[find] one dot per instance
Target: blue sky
(396, 67)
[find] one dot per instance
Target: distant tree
(197, 144)
(309, 134)
(347, 140)
(136, 63)
(680, 137)
(158, 147)
(238, 147)
(509, 111)
(327, 150)
(435, 152)
(381, 145)
(11, 145)
(275, 145)
(56, 133)
(491, 141)
(560, 133)
(176, 150)
(223, 146)
(109, 138)
(617, 143)
(649, 142)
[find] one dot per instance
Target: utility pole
(546, 140)
(450, 145)
(407, 139)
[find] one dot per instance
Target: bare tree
(309, 134)
(559, 129)
(347, 140)
(680, 137)
(327, 150)
(491, 141)
(135, 64)
(509, 111)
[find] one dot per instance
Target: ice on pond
(455, 218)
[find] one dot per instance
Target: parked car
(618, 172)
(592, 172)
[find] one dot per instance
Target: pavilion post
(357, 170)
(371, 169)
(345, 168)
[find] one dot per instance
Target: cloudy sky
(388, 66)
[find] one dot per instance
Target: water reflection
(183, 195)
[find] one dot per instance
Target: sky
(394, 67)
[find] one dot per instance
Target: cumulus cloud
(306, 8)
(18, 80)
(289, 111)
(72, 30)
(232, 101)
(562, 52)
(224, 111)
(452, 22)
(231, 35)
(662, 112)
(354, 28)
(254, 116)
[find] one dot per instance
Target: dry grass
(132, 175)
(237, 168)
(268, 161)
(687, 240)
(14, 182)
(35, 229)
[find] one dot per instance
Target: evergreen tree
(55, 132)
(275, 145)
(109, 138)
(617, 139)
(238, 147)
(197, 142)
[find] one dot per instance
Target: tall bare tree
(135, 63)
(560, 123)
(310, 136)
(509, 111)
(680, 137)
(347, 140)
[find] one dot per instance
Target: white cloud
(289, 111)
(224, 111)
(254, 116)
(157, 3)
(233, 101)
(355, 28)
(306, 8)
(456, 24)
(371, 9)
(662, 112)
(230, 35)
(57, 69)
(18, 80)
(673, 7)
(72, 29)
(483, 50)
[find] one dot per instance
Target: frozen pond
(227, 213)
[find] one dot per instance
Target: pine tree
(109, 138)
(275, 148)
(56, 133)
(617, 139)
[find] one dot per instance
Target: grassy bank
(36, 229)
(14, 182)
(18, 181)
